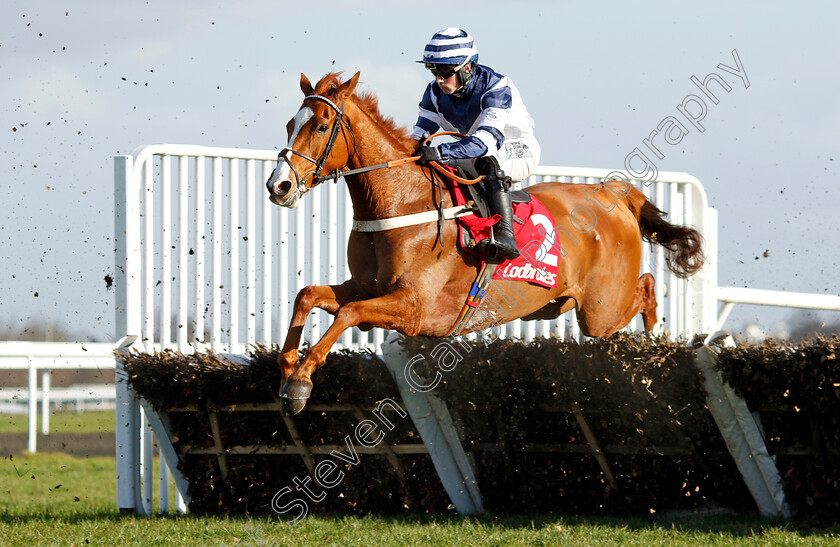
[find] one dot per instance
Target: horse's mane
(370, 103)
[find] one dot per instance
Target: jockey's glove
(428, 153)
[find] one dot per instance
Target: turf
(55, 499)
(62, 422)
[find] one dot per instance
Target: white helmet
(453, 47)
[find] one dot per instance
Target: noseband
(319, 163)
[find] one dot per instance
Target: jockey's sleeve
(428, 120)
(489, 136)
(469, 147)
(495, 115)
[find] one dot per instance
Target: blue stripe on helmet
(450, 46)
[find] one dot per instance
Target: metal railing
(205, 260)
(729, 296)
(46, 357)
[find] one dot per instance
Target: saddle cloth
(538, 261)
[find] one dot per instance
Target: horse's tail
(684, 246)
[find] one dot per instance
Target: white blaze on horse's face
(282, 189)
(299, 121)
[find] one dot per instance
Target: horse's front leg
(396, 311)
(326, 297)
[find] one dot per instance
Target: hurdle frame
(185, 242)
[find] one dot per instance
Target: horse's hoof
(294, 406)
(296, 389)
(296, 393)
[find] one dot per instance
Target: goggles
(442, 71)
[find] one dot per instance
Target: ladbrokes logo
(528, 273)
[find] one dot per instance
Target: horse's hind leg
(644, 302)
(597, 320)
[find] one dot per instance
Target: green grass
(97, 421)
(35, 510)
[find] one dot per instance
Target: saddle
(474, 195)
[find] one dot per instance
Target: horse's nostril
(285, 186)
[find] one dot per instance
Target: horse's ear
(305, 85)
(349, 86)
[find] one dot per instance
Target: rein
(335, 175)
(387, 165)
(384, 224)
(396, 163)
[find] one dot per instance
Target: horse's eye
(323, 128)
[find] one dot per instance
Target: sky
(81, 82)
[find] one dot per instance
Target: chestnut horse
(404, 279)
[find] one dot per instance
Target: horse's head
(314, 146)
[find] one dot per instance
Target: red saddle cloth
(538, 261)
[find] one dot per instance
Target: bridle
(338, 125)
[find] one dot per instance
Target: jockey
(475, 101)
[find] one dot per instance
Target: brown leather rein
(395, 163)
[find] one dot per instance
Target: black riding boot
(502, 246)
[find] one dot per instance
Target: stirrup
(492, 248)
